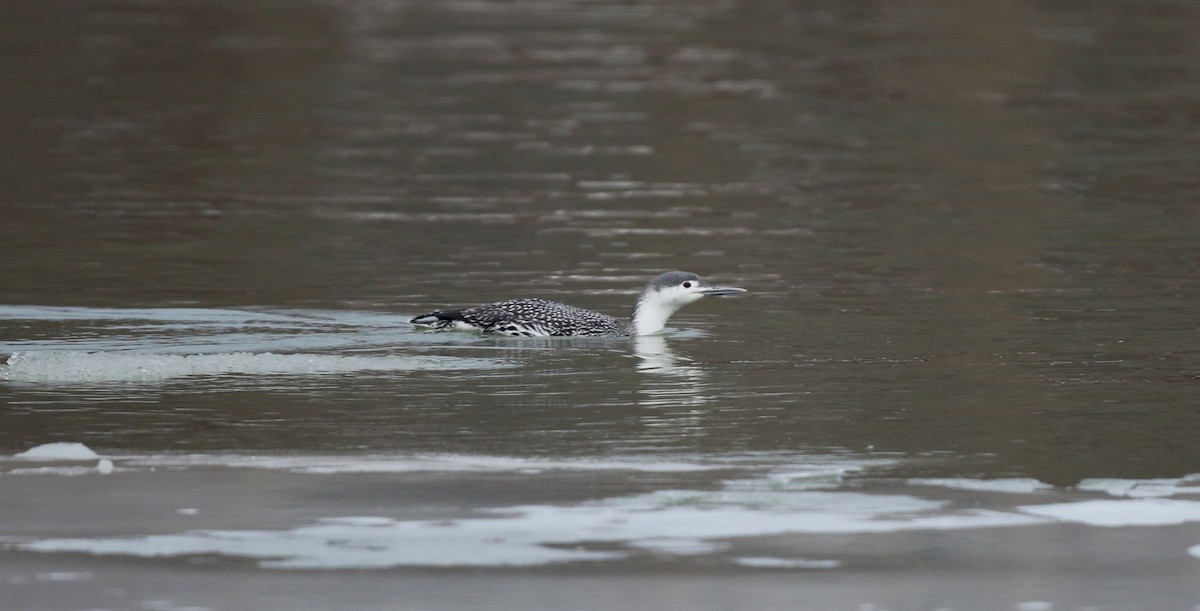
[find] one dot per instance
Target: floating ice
(59, 451)
(661, 523)
(1013, 485)
(62, 576)
(66, 367)
(1143, 488)
(1035, 605)
(788, 498)
(337, 544)
(678, 546)
(66, 471)
(766, 562)
(1126, 512)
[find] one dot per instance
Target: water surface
(965, 375)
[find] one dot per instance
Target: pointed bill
(718, 291)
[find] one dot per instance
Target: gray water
(969, 231)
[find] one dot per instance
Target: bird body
(528, 317)
(533, 317)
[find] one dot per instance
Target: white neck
(650, 316)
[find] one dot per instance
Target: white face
(658, 303)
(679, 295)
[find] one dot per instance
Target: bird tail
(439, 319)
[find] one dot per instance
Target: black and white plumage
(532, 317)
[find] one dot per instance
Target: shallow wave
(203, 330)
(62, 366)
(188, 315)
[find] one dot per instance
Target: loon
(662, 296)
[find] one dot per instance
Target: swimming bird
(530, 317)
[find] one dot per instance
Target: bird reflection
(675, 381)
(657, 358)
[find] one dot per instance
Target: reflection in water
(658, 358)
(671, 391)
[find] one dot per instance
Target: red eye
(687, 285)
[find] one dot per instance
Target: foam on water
(66, 367)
